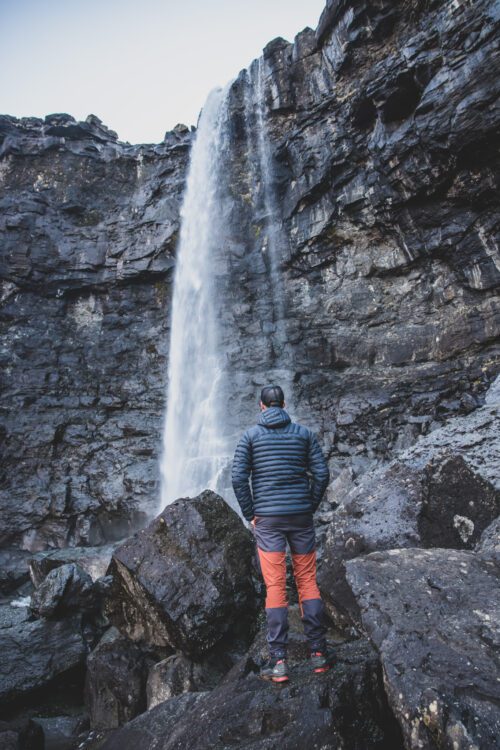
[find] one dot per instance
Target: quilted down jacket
(289, 472)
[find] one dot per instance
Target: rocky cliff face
(383, 319)
(384, 139)
(88, 235)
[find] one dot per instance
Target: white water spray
(194, 450)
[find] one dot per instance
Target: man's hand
(253, 521)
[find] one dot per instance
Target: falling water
(273, 239)
(198, 438)
(194, 449)
(273, 235)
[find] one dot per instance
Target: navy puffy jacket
(289, 471)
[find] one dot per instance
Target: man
(289, 478)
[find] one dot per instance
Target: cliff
(383, 139)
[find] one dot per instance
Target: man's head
(271, 395)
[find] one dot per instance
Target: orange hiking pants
(272, 534)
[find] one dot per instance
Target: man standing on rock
(289, 478)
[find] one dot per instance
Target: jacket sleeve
(242, 467)
(319, 470)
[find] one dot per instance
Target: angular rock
(187, 579)
(345, 708)
(489, 544)
(22, 734)
(173, 676)
(434, 617)
(115, 681)
(37, 653)
(93, 560)
(61, 732)
(64, 590)
(442, 492)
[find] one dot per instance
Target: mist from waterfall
(194, 447)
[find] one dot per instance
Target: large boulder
(37, 653)
(442, 492)
(93, 560)
(187, 580)
(434, 617)
(22, 734)
(115, 681)
(61, 732)
(65, 589)
(489, 544)
(345, 708)
(174, 675)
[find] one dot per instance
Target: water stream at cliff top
(194, 448)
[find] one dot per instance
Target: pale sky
(142, 66)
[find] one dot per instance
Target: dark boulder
(442, 492)
(115, 681)
(93, 560)
(37, 653)
(173, 676)
(61, 732)
(434, 617)
(22, 734)
(345, 708)
(489, 544)
(186, 580)
(64, 590)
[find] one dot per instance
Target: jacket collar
(274, 416)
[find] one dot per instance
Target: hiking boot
(320, 661)
(275, 670)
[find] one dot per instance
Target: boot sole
(320, 670)
(279, 680)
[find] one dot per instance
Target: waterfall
(201, 426)
(272, 238)
(194, 448)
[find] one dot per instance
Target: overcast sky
(142, 66)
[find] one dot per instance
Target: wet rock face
(384, 151)
(88, 227)
(172, 676)
(187, 580)
(64, 590)
(381, 316)
(115, 681)
(433, 615)
(442, 492)
(342, 709)
(37, 654)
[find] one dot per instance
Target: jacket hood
(274, 416)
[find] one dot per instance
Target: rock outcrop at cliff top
(442, 492)
(384, 131)
(187, 580)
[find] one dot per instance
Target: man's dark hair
(272, 395)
